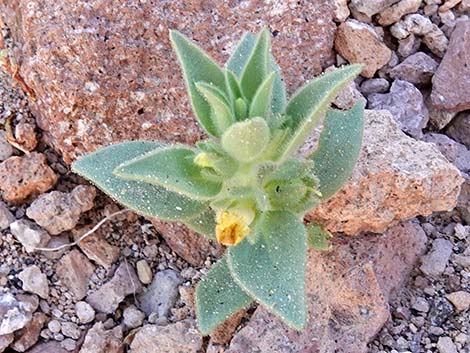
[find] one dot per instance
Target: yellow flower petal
(231, 228)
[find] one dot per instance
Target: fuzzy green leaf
(218, 297)
(338, 148)
(307, 106)
(198, 67)
(318, 237)
(172, 168)
(220, 110)
(261, 104)
(238, 60)
(144, 198)
(245, 140)
(232, 84)
(272, 271)
(203, 223)
(257, 66)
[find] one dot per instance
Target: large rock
(459, 129)
(74, 271)
(179, 337)
(406, 104)
(395, 178)
(104, 73)
(347, 294)
(98, 339)
(451, 83)
(358, 43)
(455, 152)
(16, 312)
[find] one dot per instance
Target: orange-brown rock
(21, 177)
(358, 43)
(104, 73)
(396, 177)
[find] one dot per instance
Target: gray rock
(124, 282)
(48, 347)
(455, 152)
(435, 261)
(374, 85)
(446, 345)
(29, 234)
(370, 7)
(34, 281)
(57, 211)
(459, 129)
(439, 118)
(70, 329)
(6, 217)
(84, 312)
(406, 104)
(162, 294)
(6, 150)
(133, 317)
(461, 260)
(408, 46)
(179, 337)
(441, 310)
(417, 69)
(16, 312)
(451, 83)
(420, 304)
(5, 341)
(29, 335)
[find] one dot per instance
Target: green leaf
(197, 66)
(257, 66)
(220, 110)
(307, 106)
(261, 104)
(272, 271)
(203, 223)
(318, 237)
(238, 60)
(218, 297)
(338, 148)
(245, 140)
(172, 168)
(232, 84)
(147, 199)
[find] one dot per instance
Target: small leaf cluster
(246, 185)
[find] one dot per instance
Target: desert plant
(246, 186)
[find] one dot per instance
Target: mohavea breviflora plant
(246, 185)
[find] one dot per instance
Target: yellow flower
(203, 160)
(231, 228)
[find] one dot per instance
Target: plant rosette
(246, 186)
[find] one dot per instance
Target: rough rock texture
(459, 129)
(439, 118)
(98, 339)
(358, 43)
(368, 8)
(190, 246)
(29, 234)
(34, 281)
(25, 136)
(421, 26)
(5, 341)
(162, 294)
(28, 336)
(181, 336)
(374, 85)
(451, 83)
(406, 104)
(417, 69)
(455, 152)
(104, 73)
(435, 262)
(96, 248)
(58, 211)
(6, 150)
(16, 312)
(48, 347)
(348, 302)
(386, 186)
(6, 217)
(124, 282)
(74, 271)
(23, 176)
(395, 12)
